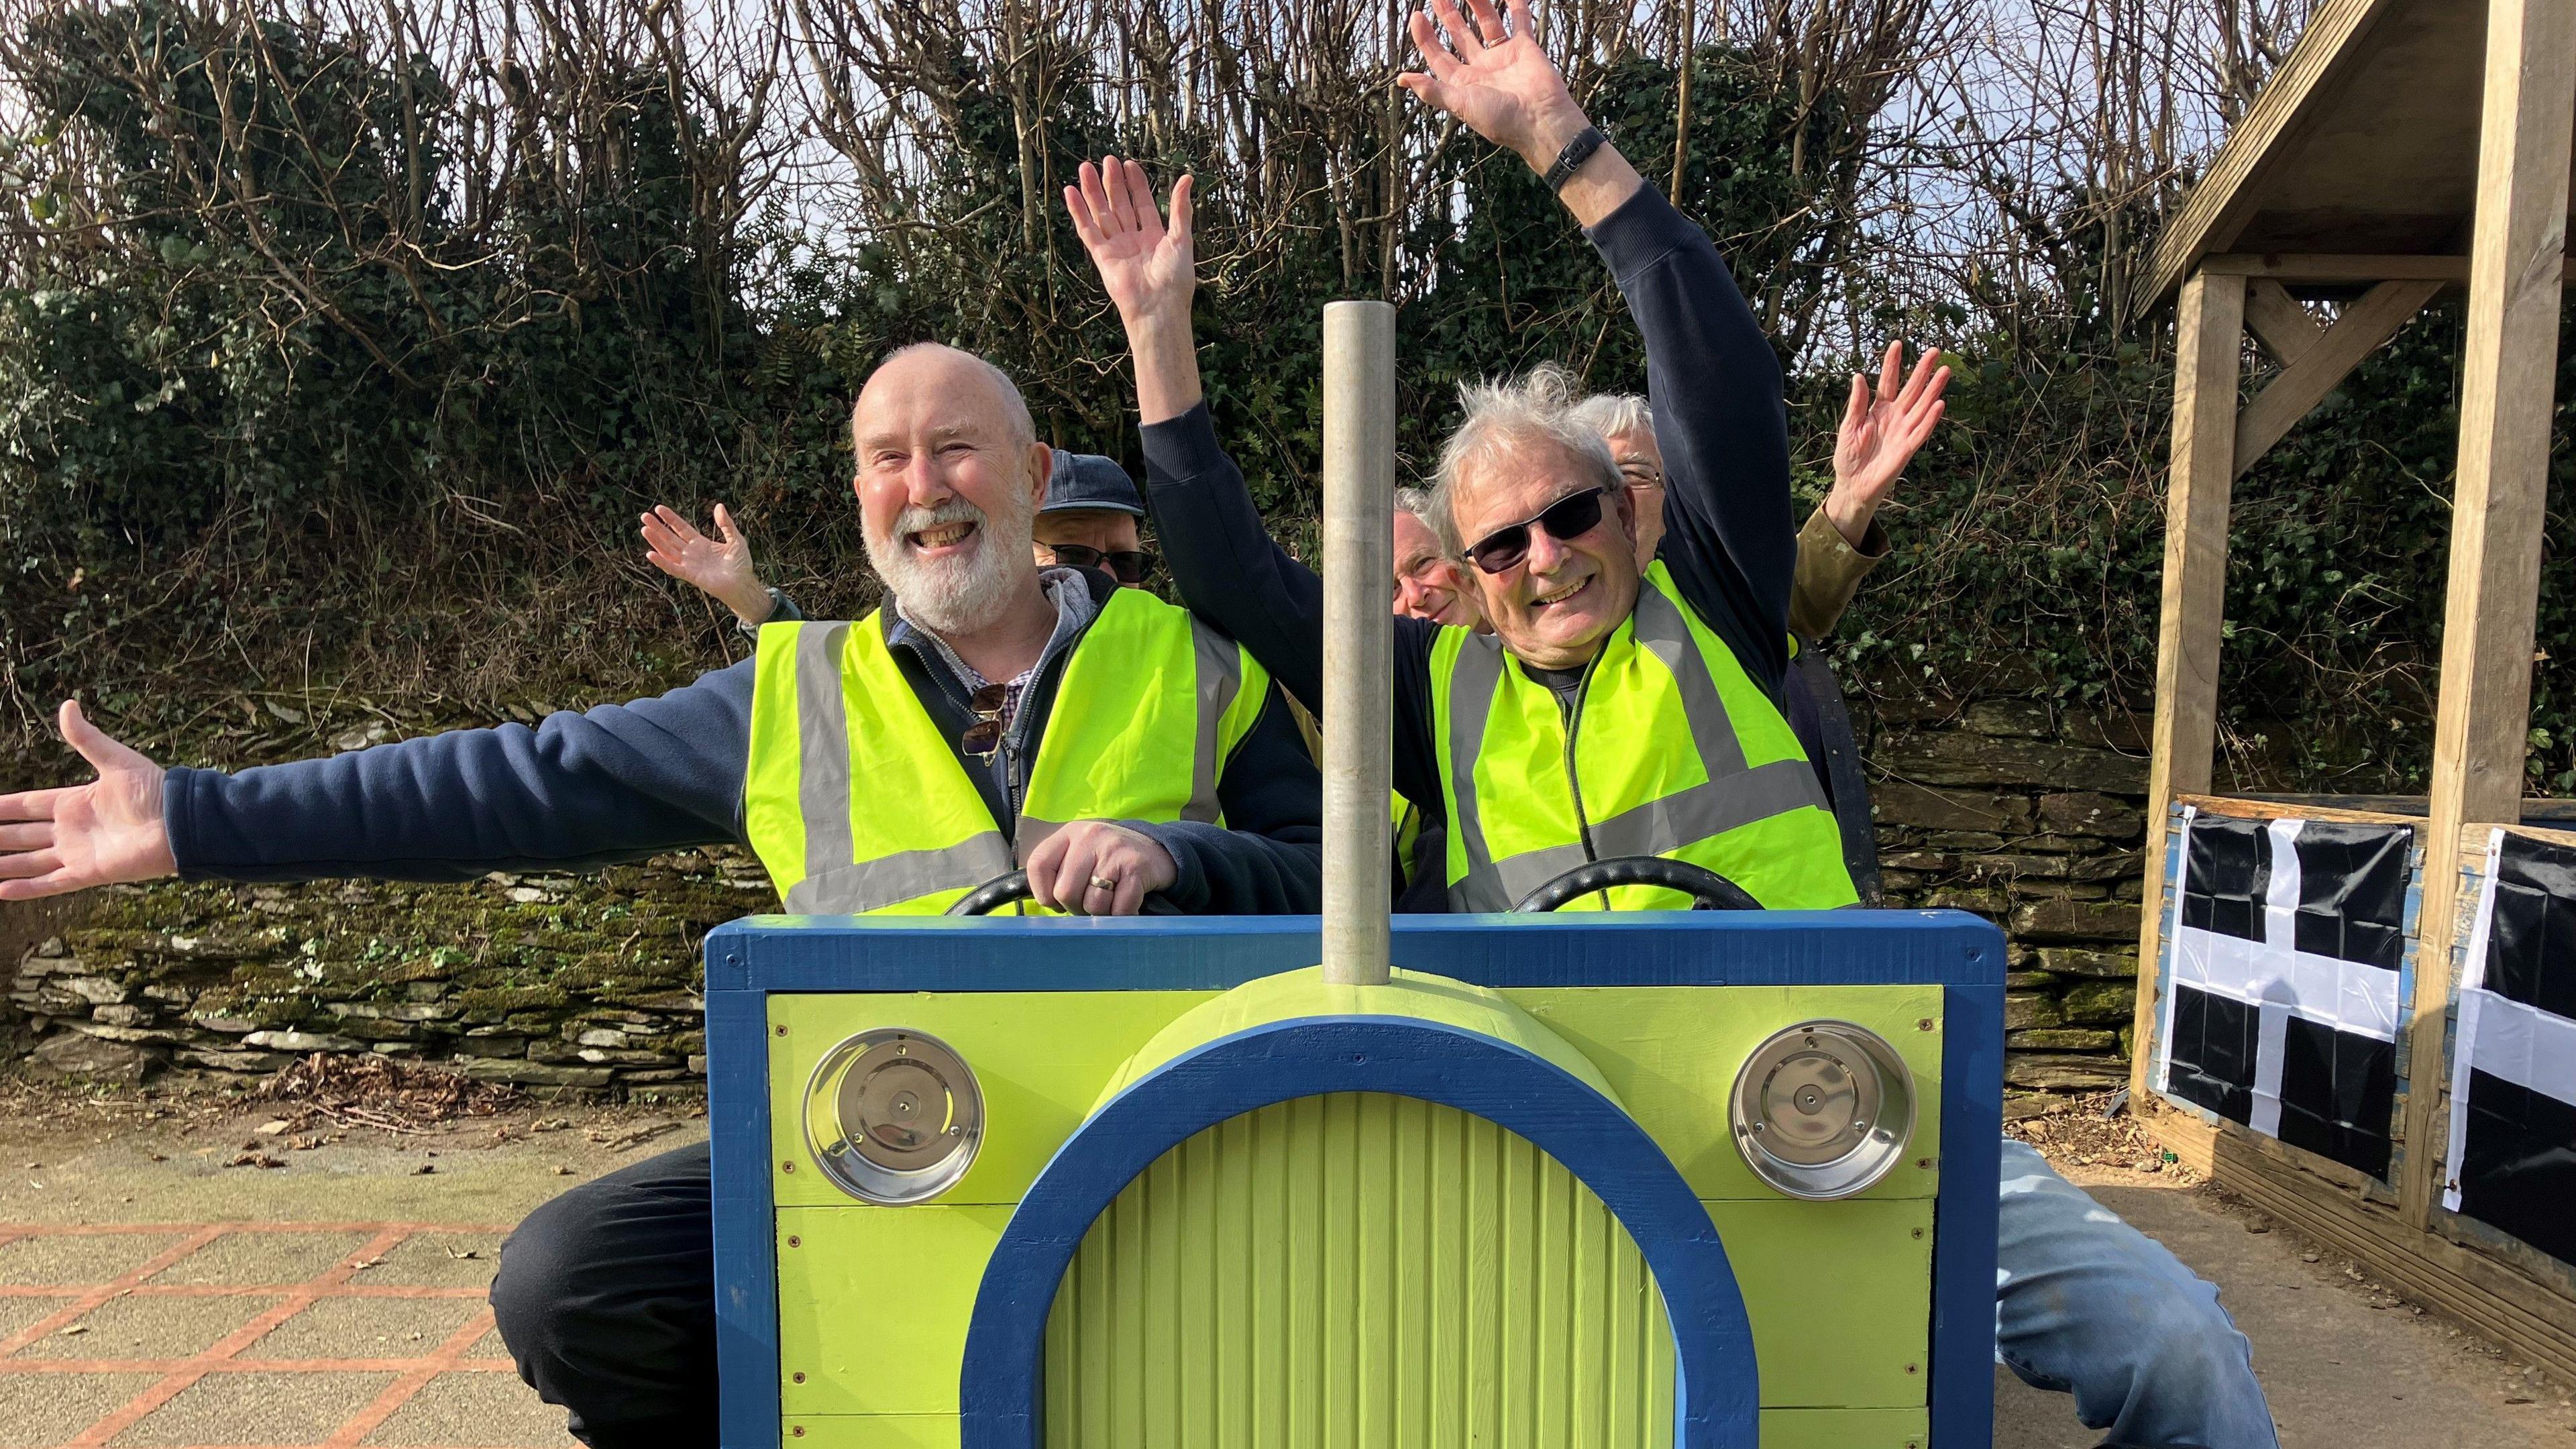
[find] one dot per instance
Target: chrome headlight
(1823, 1109)
(893, 1116)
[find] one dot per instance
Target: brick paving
(283, 1335)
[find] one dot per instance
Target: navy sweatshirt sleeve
(623, 782)
(1722, 421)
(1267, 859)
(1234, 575)
(595, 788)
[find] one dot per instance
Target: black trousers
(607, 1299)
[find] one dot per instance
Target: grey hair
(1539, 406)
(1613, 413)
(1416, 501)
(1015, 409)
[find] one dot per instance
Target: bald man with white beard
(605, 1296)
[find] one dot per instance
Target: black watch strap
(1571, 159)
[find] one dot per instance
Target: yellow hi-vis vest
(856, 804)
(1671, 750)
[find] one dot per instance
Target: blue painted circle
(1717, 1396)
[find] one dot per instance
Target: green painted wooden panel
(1840, 1294)
(1781, 1429)
(1845, 1428)
(1040, 1058)
(869, 1431)
(873, 1305)
(1357, 1269)
(1671, 1053)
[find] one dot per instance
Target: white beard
(961, 596)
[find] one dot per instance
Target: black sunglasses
(1565, 520)
(984, 736)
(1127, 565)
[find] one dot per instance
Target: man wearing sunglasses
(1615, 710)
(990, 712)
(1088, 521)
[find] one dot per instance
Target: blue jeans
(2086, 1304)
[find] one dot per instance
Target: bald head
(949, 477)
(960, 379)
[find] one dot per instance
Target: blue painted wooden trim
(1000, 1392)
(2160, 1020)
(745, 1233)
(1639, 948)
(1962, 1385)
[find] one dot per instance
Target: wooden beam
(2328, 361)
(2329, 52)
(2508, 367)
(2209, 344)
(2300, 268)
(2278, 322)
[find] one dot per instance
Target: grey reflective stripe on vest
(1220, 679)
(822, 756)
(835, 883)
(1731, 796)
(1472, 683)
(855, 890)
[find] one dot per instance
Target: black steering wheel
(1708, 890)
(1002, 890)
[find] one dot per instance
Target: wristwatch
(1571, 159)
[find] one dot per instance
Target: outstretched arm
(1149, 271)
(1229, 569)
(580, 790)
(1719, 416)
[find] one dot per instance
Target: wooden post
(2209, 341)
(2507, 370)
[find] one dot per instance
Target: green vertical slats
(1357, 1272)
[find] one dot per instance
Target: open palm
(109, 830)
(1883, 429)
(1147, 267)
(1495, 78)
(721, 567)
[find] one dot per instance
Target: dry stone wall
(2026, 814)
(554, 983)
(2033, 816)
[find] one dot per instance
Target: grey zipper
(1573, 713)
(1015, 740)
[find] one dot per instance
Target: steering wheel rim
(1003, 890)
(1708, 890)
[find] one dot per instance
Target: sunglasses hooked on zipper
(984, 736)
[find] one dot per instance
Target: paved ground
(151, 1294)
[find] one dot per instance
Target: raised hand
(1495, 78)
(1881, 431)
(109, 830)
(1146, 265)
(674, 545)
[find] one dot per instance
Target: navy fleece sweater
(1730, 538)
(625, 781)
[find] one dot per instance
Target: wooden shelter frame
(2519, 82)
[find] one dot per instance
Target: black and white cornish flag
(2281, 1002)
(2512, 1157)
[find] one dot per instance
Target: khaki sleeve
(1829, 573)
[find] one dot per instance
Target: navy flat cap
(1087, 480)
